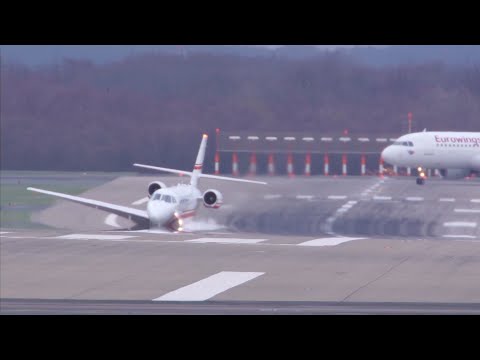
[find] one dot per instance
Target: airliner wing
(136, 215)
(181, 172)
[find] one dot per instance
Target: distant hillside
(151, 108)
(33, 55)
(416, 54)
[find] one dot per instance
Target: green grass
(18, 195)
(17, 204)
(18, 220)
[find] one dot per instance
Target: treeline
(153, 108)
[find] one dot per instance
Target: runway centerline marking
(271, 197)
(149, 231)
(94, 237)
(471, 211)
(382, 198)
(304, 197)
(414, 198)
(225, 241)
(460, 236)
(111, 220)
(337, 197)
(475, 200)
(328, 241)
(460, 224)
(209, 287)
(446, 199)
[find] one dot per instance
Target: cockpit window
(402, 143)
(156, 196)
(169, 199)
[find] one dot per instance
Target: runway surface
(324, 241)
(97, 307)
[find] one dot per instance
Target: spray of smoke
(202, 225)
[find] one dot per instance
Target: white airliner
(455, 154)
(167, 206)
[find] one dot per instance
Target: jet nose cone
(387, 154)
(160, 213)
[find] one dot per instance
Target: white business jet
(167, 206)
(455, 154)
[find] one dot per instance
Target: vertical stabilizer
(197, 169)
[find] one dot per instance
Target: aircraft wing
(136, 215)
(231, 179)
(173, 171)
(188, 173)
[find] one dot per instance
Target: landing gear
(421, 176)
(420, 181)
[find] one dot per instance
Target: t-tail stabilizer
(197, 169)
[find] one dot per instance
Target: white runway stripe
(151, 231)
(328, 241)
(460, 224)
(4, 232)
(111, 220)
(382, 198)
(209, 287)
(468, 211)
(460, 236)
(94, 237)
(306, 197)
(225, 241)
(446, 199)
(413, 198)
(271, 197)
(475, 200)
(141, 201)
(337, 197)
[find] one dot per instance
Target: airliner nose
(387, 154)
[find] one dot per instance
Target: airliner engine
(212, 199)
(154, 186)
(476, 162)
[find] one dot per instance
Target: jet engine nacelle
(476, 162)
(154, 186)
(452, 174)
(212, 199)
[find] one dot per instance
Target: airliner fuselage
(436, 150)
